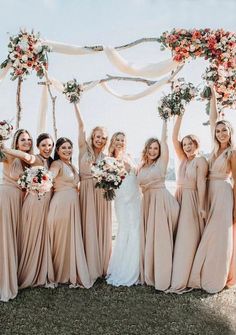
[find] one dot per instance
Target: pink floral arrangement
(36, 179)
(217, 46)
(26, 53)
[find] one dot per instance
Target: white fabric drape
(42, 117)
(4, 71)
(152, 70)
(139, 95)
(68, 49)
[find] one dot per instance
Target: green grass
(105, 310)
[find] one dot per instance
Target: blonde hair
(192, 138)
(90, 141)
(144, 159)
(111, 148)
(216, 142)
(15, 139)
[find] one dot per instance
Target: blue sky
(111, 23)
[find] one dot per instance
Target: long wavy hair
(59, 143)
(42, 137)
(192, 138)
(111, 148)
(144, 158)
(216, 142)
(90, 141)
(14, 144)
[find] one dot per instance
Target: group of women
(172, 243)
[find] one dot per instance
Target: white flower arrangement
(36, 180)
(5, 133)
(109, 174)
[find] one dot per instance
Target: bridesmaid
(211, 266)
(159, 215)
(10, 209)
(190, 193)
(64, 220)
(34, 253)
(96, 211)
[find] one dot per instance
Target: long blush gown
(33, 239)
(159, 219)
(11, 198)
(190, 225)
(65, 233)
(211, 266)
(95, 210)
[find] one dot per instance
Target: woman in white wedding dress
(123, 267)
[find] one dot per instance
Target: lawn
(107, 310)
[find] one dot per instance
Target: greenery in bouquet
(175, 102)
(109, 174)
(73, 91)
(5, 133)
(26, 53)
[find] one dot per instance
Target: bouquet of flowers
(36, 179)
(5, 133)
(73, 91)
(26, 53)
(109, 174)
(174, 103)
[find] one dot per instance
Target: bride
(123, 267)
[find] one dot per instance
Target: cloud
(50, 4)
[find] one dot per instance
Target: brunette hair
(144, 159)
(40, 138)
(111, 148)
(59, 143)
(15, 139)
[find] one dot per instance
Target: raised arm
(233, 167)
(213, 110)
(202, 170)
(175, 138)
(81, 128)
(164, 145)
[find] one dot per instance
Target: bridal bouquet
(26, 53)
(174, 103)
(5, 133)
(36, 179)
(72, 91)
(109, 174)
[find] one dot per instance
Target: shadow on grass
(105, 310)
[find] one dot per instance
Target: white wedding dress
(123, 267)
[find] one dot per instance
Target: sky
(111, 23)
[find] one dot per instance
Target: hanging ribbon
(43, 107)
(152, 70)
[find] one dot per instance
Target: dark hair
(42, 137)
(59, 143)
